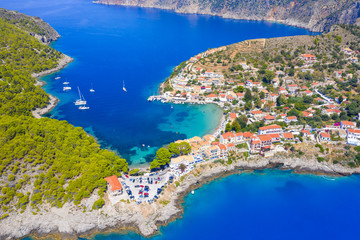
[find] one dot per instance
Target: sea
(113, 46)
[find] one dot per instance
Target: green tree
(248, 95)
(163, 156)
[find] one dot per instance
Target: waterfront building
(270, 129)
(347, 124)
(114, 187)
(325, 137)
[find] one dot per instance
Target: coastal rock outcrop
(35, 26)
(316, 15)
(72, 221)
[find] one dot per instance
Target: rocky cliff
(35, 26)
(316, 15)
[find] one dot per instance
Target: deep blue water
(140, 46)
(270, 204)
(113, 44)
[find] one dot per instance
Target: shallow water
(113, 44)
(269, 204)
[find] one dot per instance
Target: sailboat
(81, 100)
(57, 78)
(83, 107)
(92, 89)
(124, 86)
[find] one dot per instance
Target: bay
(140, 47)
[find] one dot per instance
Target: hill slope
(316, 15)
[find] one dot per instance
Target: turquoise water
(113, 44)
(269, 204)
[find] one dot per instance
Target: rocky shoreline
(72, 221)
(63, 62)
(317, 16)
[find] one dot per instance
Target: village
(267, 110)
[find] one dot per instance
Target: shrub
(98, 204)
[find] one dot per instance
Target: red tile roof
(348, 123)
(288, 135)
(114, 183)
(269, 127)
(265, 137)
(325, 135)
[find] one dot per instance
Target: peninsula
(290, 103)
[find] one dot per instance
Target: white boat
(81, 100)
(192, 192)
(172, 107)
(92, 89)
(65, 83)
(83, 108)
(66, 88)
(124, 86)
(57, 78)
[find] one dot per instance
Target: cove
(140, 47)
(269, 204)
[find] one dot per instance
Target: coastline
(71, 222)
(288, 22)
(62, 63)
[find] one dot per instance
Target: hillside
(35, 26)
(316, 15)
(44, 163)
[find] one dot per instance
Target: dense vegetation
(163, 155)
(42, 160)
(21, 55)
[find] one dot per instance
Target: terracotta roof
(228, 135)
(325, 135)
(114, 183)
(230, 145)
(291, 117)
(288, 135)
(256, 112)
(308, 55)
(348, 123)
(269, 117)
(247, 134)
(306, 132)
(269, 127)
(232, 115)
(357, 131)
(265, 137)
(222, 147)
(211, 96)
(255, 142)
(274, 135)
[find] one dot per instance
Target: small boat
(143, 145)
(148, 146)
(83, 108)
(57, 78)
(67, 88)
(172, 107)
(65, 83)
(92, 89)
(81, 100)
(124, 87)
(192, 192)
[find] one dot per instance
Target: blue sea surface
(141, 46)
(112, 45)
(270, 204)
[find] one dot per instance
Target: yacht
(92, 89)
(83, 107)
(124, 87)
(81, 100)
(67, 88)
(65, 83)
(57, 78)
